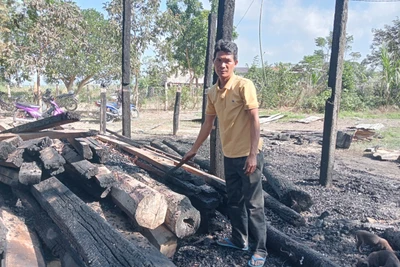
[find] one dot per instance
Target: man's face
(224, 64)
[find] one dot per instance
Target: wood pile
(165, 208)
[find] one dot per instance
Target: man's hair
(226, 46)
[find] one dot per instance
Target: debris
(310, 119)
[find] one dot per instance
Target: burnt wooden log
(14, 160)
(82, 147)
(52, 134)
(53, 162)
(22, 244)
(288, 193)
(163, 239)
(95, 241)
(46, 123)
(286, 213)
(181, 217)
(30, 173)
(393, 237)
(297, 253)
(201, 161)
(34, 146)
(159, 145)
(70, 155)
(100, 152)
(8, 146)
(141, 203)
(9, 176)
(162, 153)
(48, 231)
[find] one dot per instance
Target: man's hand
(250, 165)
(190, 154)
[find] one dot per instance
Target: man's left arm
(251, 162)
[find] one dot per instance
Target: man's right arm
(202, 136)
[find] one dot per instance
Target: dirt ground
(365, 192)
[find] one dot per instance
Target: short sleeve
(249, 95)
(210, 109)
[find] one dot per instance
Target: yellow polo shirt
(230, 104)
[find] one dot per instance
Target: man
(233, 99)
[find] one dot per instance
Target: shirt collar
(229, 84)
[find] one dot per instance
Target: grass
(370, 114)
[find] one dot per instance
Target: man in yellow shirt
(234, 100)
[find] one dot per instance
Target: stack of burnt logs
(165, 206)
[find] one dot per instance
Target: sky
(289, 27)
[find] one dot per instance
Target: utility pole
(332, 104)
(126, 69)
(208, 68)
(226, 9)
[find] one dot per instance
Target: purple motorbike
(28, 112)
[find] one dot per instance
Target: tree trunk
(82, 84)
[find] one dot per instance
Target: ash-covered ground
(365, 195)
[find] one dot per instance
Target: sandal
(255, 259)
(226, 242)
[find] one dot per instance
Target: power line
(246, 13)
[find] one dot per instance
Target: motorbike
(114, 111)
(27, 112)
(68, 101)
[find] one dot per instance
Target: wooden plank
(48, 231)
(52, 134)
(8, 176)
(95, 240)
(30, 173)
(310, 119)
(22, 245)
(46, 123)
(163, 239)
(144, 205)
(271, 118)
(100, 152)
(81, 147)
(52, 161)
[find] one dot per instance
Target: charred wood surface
(393, 237)
(81, 147)
(8, 146)
(201, 161)
(9, 176)
(30, 173)
(163, 239)
(99, 151)
(52, 134)
(159, 145)
(286, 213)
(288, 193)
(94, 239)
(181, 217)
(53, 162)
(22, 244)
(141, 203)
(297, 253)
(46, 123)
(48, 231)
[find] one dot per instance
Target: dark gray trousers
(246, 203)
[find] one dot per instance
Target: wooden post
(335, 83)
(8, 90)
(103, 110)
(177, 108)
(166, 96)
(226, 10)
(208, 68)
(88, 93)
(126, 69)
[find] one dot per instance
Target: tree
(90, 53)
(38, 38)
(184, 42)
(389, 37)
(144, 31)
